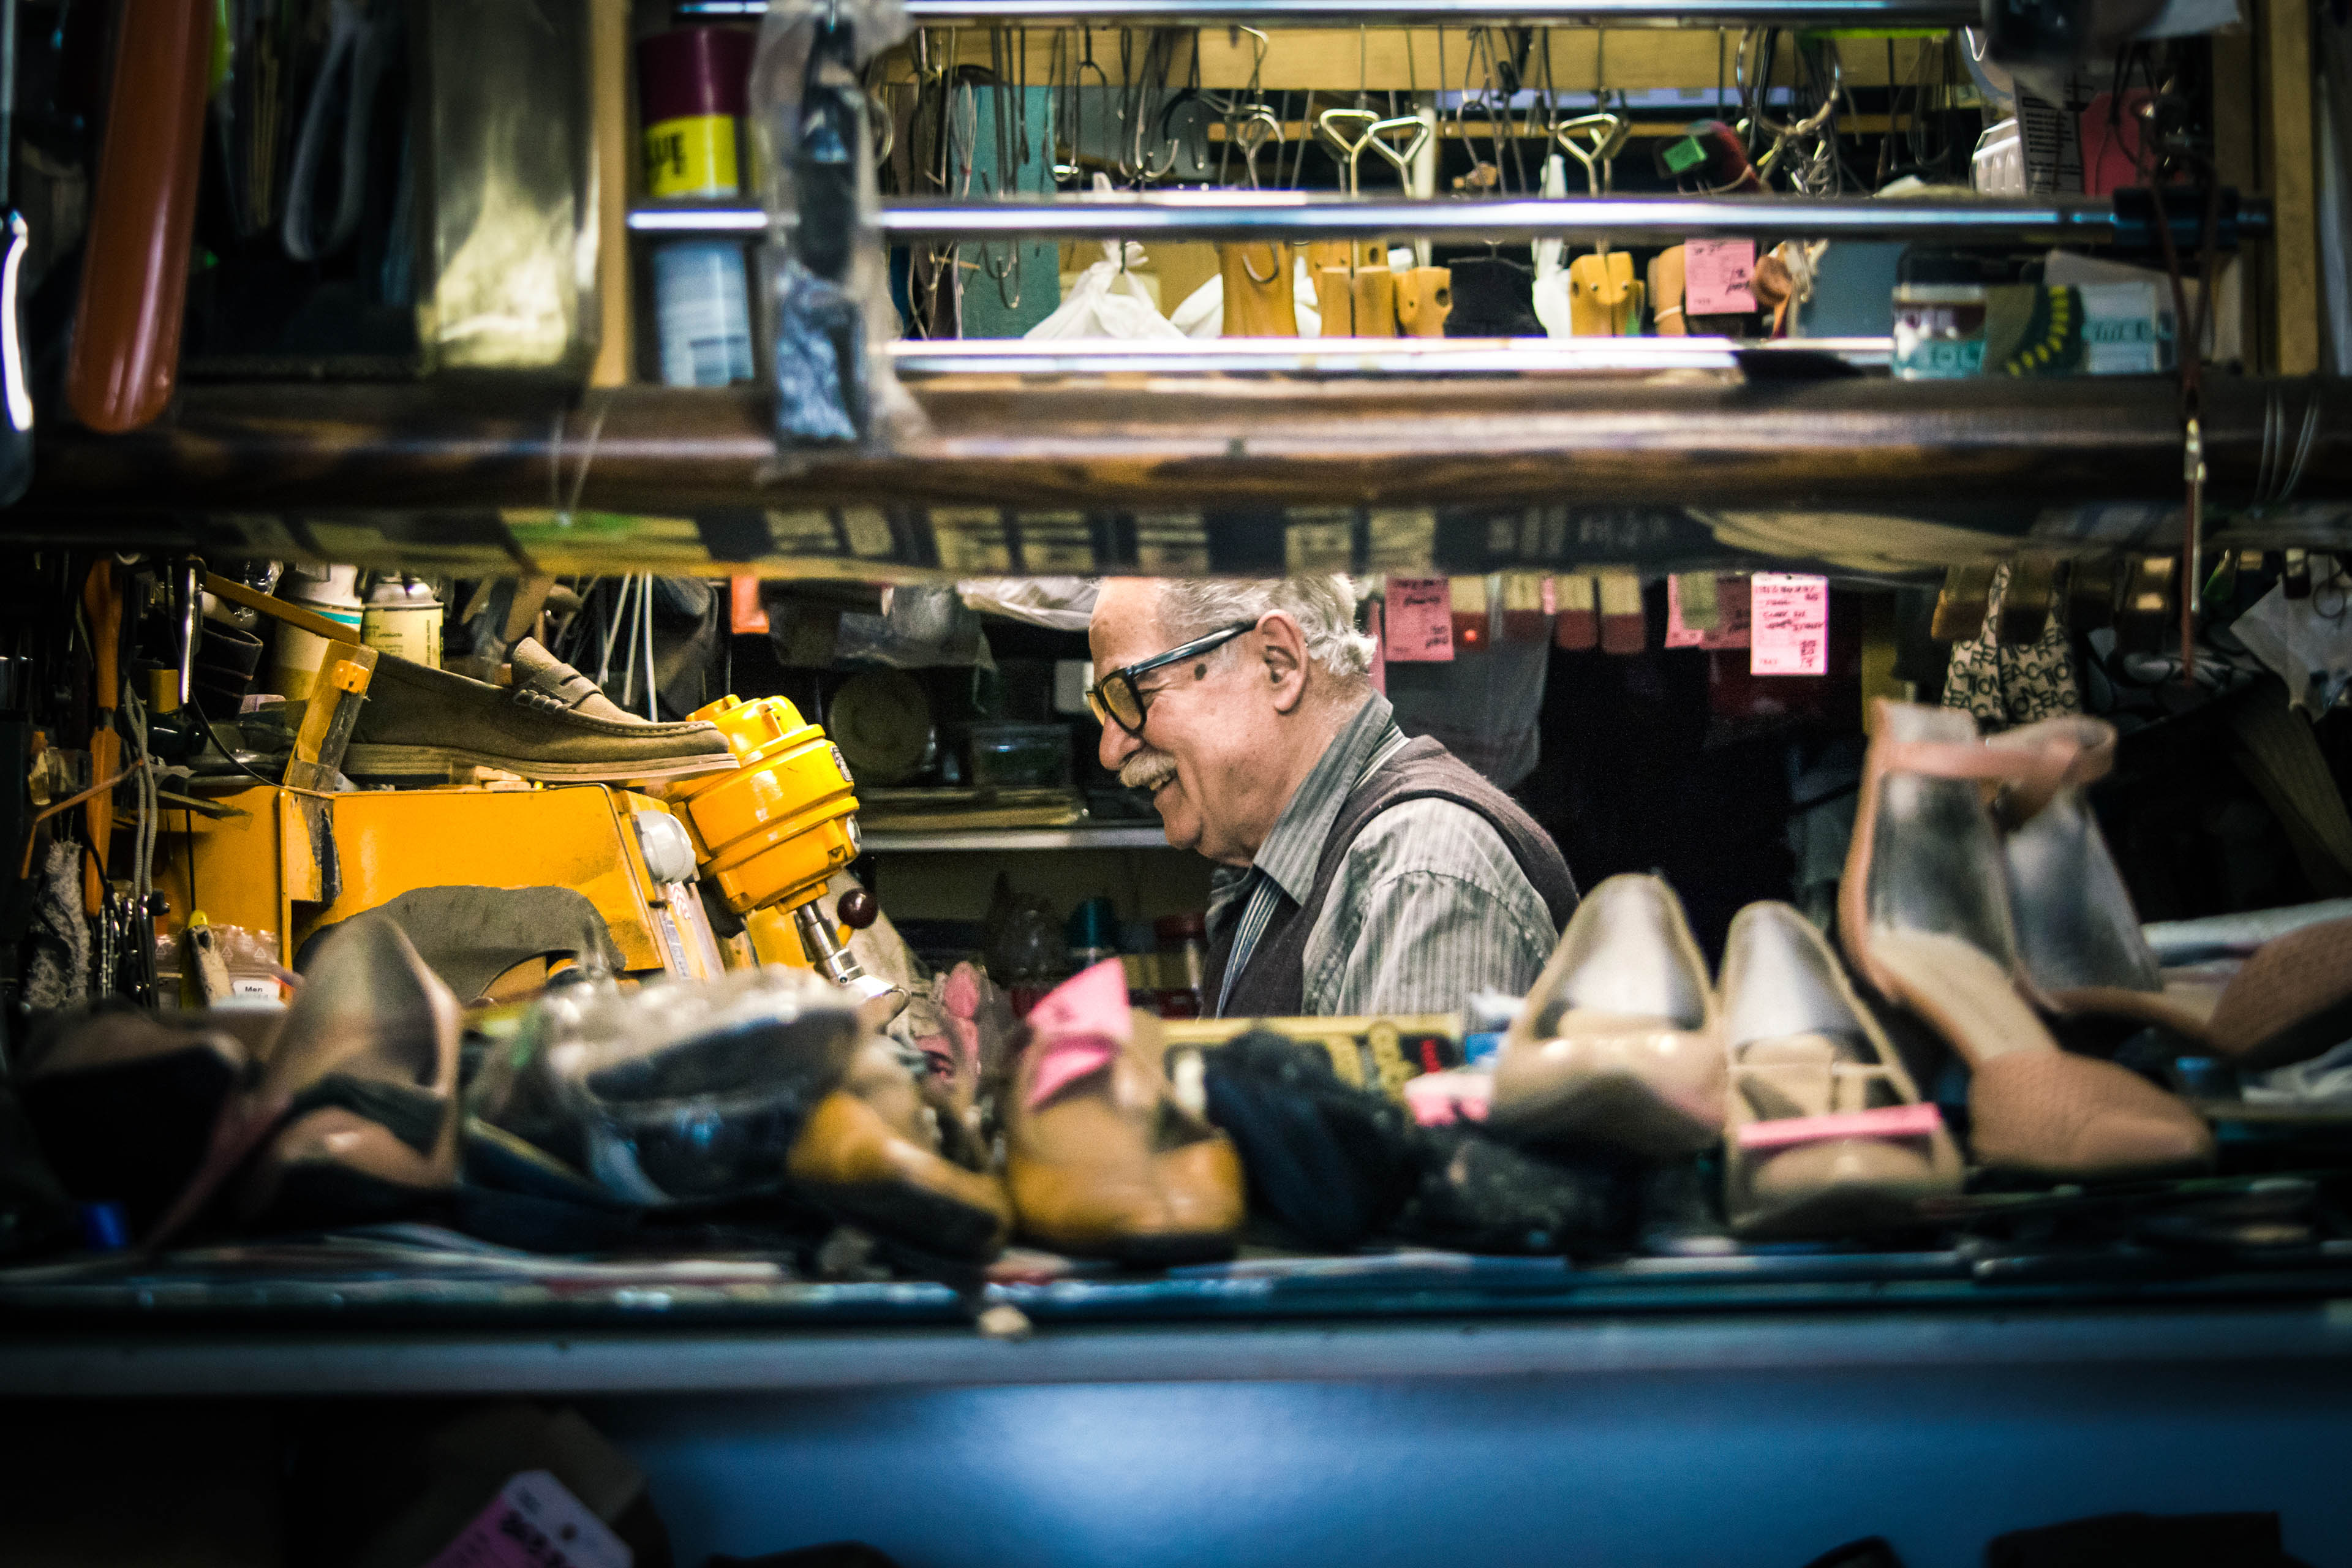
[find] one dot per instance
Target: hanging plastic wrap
(825, 265)
(677, 1092)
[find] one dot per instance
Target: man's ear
(1283, 649)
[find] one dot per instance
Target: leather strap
(570, 687)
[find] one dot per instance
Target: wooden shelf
(1176, 473)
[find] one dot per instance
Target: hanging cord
(2189, 355)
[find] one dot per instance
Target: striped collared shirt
(1428, 907)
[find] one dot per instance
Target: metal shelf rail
(1295, 215)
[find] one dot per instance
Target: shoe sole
(371, 761)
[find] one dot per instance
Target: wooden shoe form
(1826, 1134)
(1258, 284)
(1617, 1044)
(1424, 298)
(870, 1150)
(1924, 916)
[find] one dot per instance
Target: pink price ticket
(1789, 618)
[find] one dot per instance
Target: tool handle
(134, 282)
(332, 714)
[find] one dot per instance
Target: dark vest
(1274, 985)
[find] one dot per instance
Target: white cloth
(2301, 645)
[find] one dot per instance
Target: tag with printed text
(1716, 274)
(1790, 623)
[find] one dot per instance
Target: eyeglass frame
(1126, 673)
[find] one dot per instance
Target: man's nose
(1117, 746)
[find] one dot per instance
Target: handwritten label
(1716, 274)
(1420, 620)
(535, 1523)
(1791, 617)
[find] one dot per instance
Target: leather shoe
(552, 724)
(1101, 1158)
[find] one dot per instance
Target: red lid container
(691, 71)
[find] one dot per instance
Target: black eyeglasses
(1116, 699)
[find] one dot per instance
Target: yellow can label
(691, 156)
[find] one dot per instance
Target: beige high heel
(1826, 1134)
(2080, 941)
(1924, 916)
(1617, 1043)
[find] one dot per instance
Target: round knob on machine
(857, 909)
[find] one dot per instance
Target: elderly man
(1372, 874)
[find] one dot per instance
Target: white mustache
(1147, 771)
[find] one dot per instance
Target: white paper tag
(1790, 622)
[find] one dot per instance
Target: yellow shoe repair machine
(494, 882)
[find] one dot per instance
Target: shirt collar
(1289, 854)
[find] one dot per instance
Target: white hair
(1324, 607)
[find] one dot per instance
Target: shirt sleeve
(1429, 908)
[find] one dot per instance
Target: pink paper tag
(1715, 276)
(535, 1523)
(1078, 1026)
(1091, 1002)
(1065, 1061)
(1890, 1122)
(1789, 612)
(1420, 620)
(1442, 1098)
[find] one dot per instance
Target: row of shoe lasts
(1978, 894)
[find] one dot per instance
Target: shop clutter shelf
(1666, 219)
(1141, 836)
(1231, 454)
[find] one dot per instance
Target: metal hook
(1261, 120)
(1376, 138)
(1593, 140)
(1351, 149)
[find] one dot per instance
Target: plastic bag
(1064, 603)
(1108, 300)
(824, 267)
(677, 1092)
(1551, 259)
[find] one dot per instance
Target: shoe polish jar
(694, 84)
(326, 591)
(403, 620)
